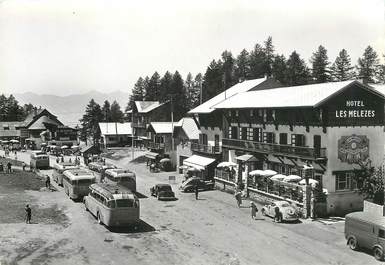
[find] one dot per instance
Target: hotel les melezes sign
(355, 109)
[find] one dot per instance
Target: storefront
(204, 166)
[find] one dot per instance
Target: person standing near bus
(254, 210)
(9, 167)
(28, 214)
(196, 192)
(48, 182)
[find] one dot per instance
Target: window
(250, 134)
(229, 113)
(234, 132)
(244, 133)
(236, 113)
(257, 134)
(6, 128)
(203, 138)
(381, 233)
(251, 113)
(298, 140)
(268, 137)
(345, 181)
(283, 138)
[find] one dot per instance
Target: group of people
(8, 168)
(61, 159)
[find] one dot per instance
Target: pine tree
(191, 91)
(137, 93)
(269, 56)
(153, 88)
(106, 111)
(90, 122)
(381, 72)
(213, 80)
(320, 64)
(279, 68)
(165, 86)
(116, 113)
(228, 69)
(297, 72)
(242, 66)
(178, 94)
(198, 81)
(257, 62)
(342, 69)
(368, 65)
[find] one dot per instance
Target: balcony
(138, 124)
(276, 149)
(207, 149)
(155, 146)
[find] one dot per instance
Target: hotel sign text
(355, 109)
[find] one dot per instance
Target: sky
(74, 46)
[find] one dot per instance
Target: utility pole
(132, 133)
(172, 124)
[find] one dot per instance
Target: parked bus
(39, 160)
(76, 182)
(58, 170)
(112, 205)
(122, 177)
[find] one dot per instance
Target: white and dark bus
(120, 176)
(76, 182)
(112, 205)
(58, 170)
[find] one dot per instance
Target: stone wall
(373, 208)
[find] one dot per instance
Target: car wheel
(378, 253)
(352, 243)
(263, 212)
(99, 219)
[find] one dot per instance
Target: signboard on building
(353, 149)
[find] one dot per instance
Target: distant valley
(70, 109)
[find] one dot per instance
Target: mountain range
(69, 109)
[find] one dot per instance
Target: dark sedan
(190, 184)
(162, 192)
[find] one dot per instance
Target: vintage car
(189, 184)
(162, 192)
(288, 211)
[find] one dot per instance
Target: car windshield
(165, 188)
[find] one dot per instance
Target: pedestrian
(23, 165)
(47, 182)
(277, 216)
(9, 167)
(1, 167)
(238, 197)
(196, 192)
(57, 160)
(28, 214)
(70, 160)
(62, 159)
(254, 210)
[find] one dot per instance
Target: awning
(151, 155)
(246, 158)
(274, 159)
(199, 162)
(317, 167)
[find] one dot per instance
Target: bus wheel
(99, 219)
(352, 243)
(378, 253)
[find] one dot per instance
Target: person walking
(9, 167)
(196, 192)
(48, 182)
(23, 165)
(254, 210)
(277, 217)
(238, 197)
(28, 214)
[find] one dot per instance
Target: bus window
(111, 204)
(124, 203)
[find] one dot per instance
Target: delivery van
(366, 230)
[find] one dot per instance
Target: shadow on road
(140, 227)
(140, 195)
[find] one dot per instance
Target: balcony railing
(157, 146)
(208, 149)
(305, 152)
(139, 124)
